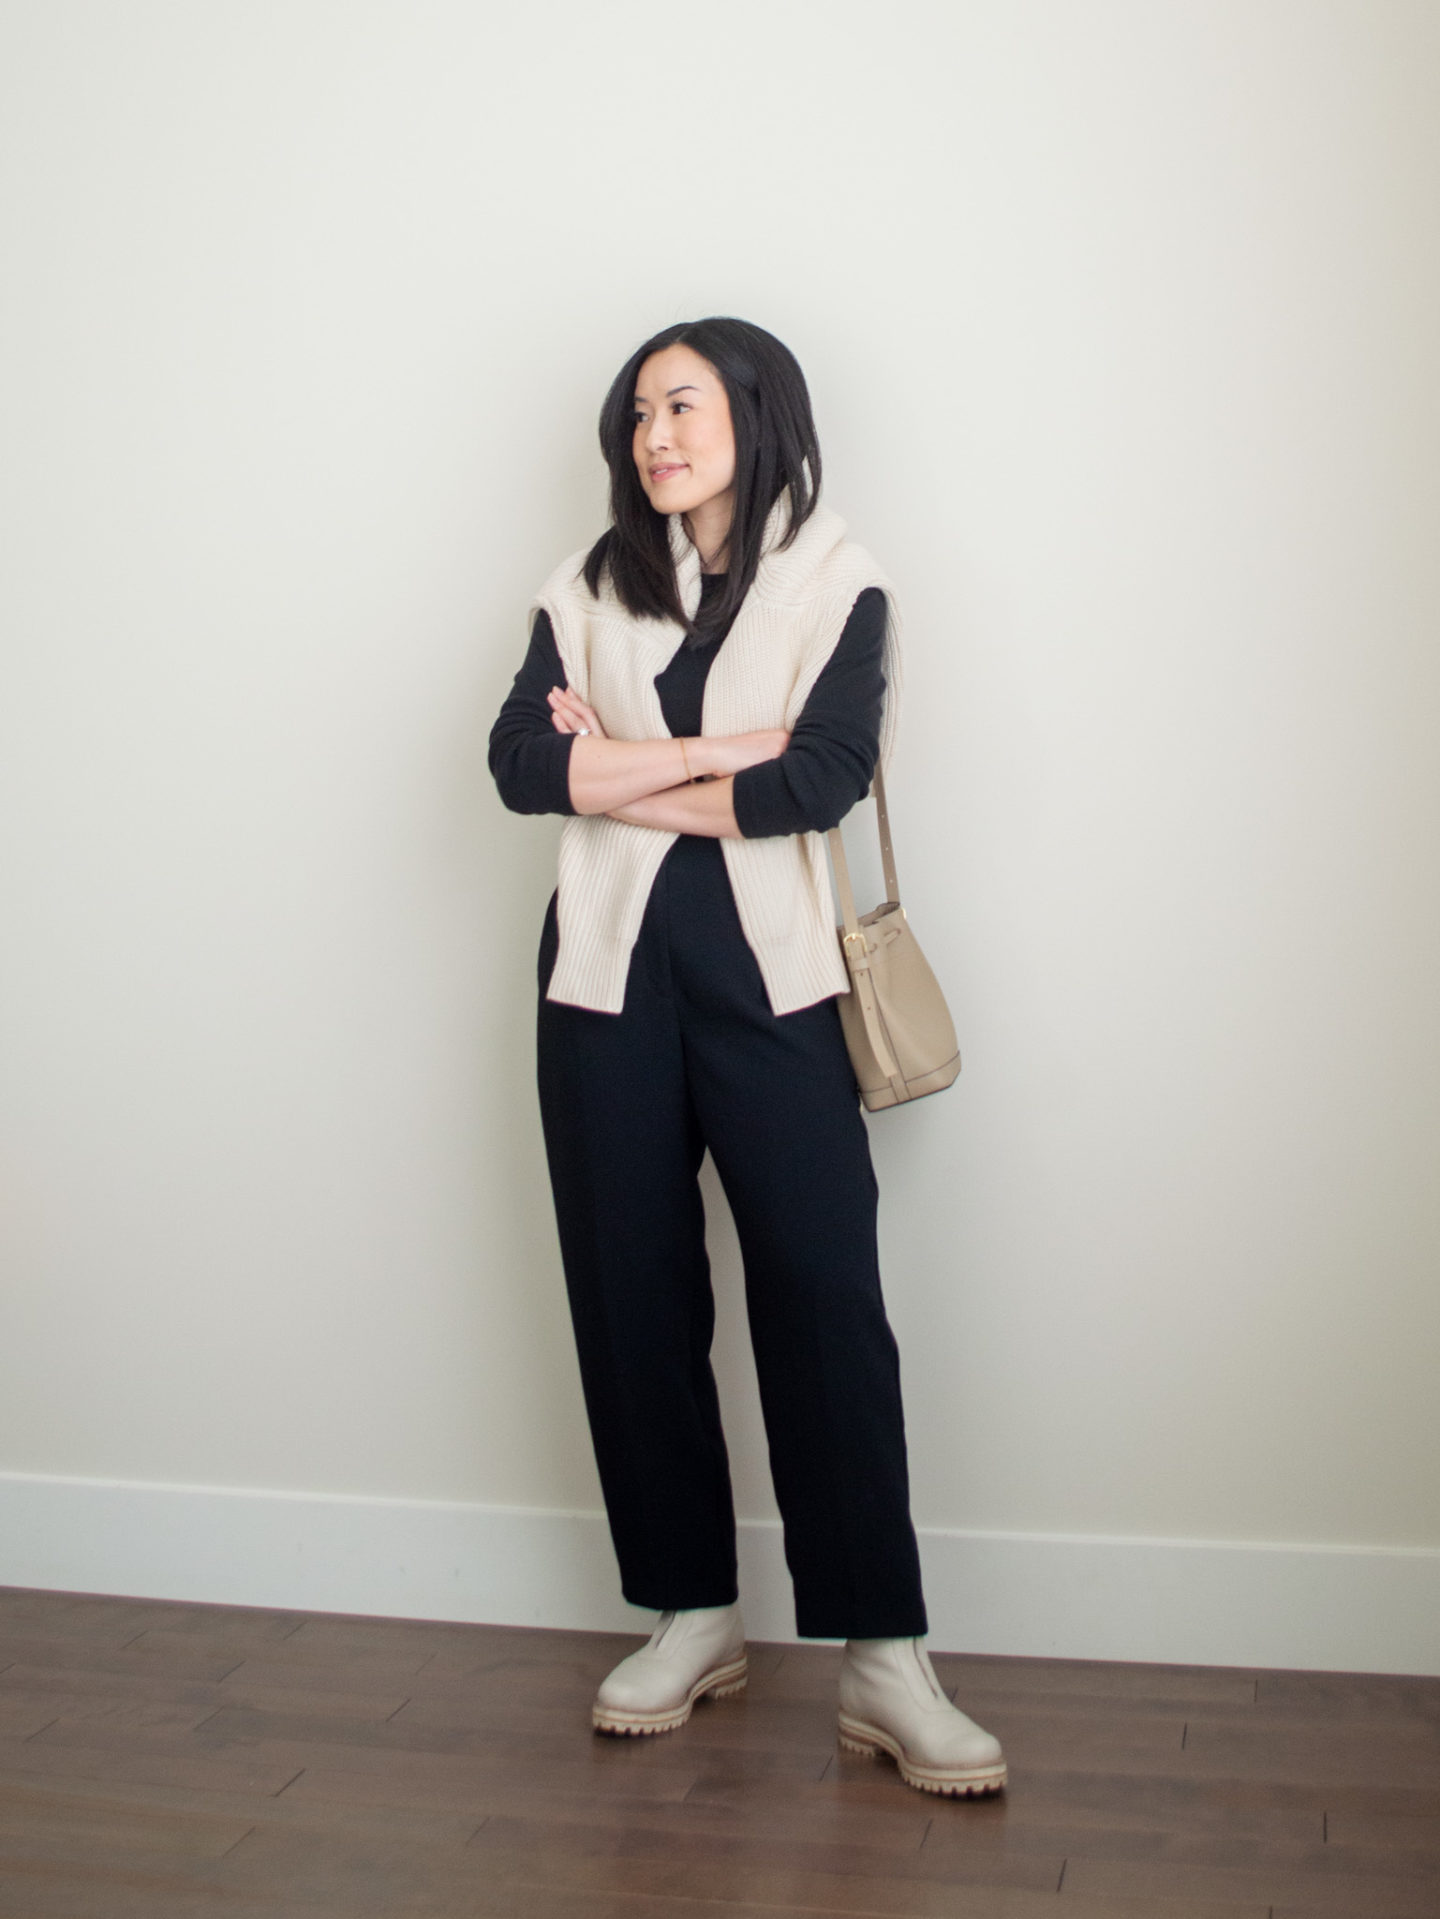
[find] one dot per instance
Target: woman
(707, 689)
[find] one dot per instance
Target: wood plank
(1136, 1805)
(1393, 1834)
(184, 1659)
(281, 1656)
(128, 1800)
(67, 1827)
(520, 1901)
(510, 1841)
(1145, 1787)
(141, 1889)
(899, 1827)
(34, 1683)
(1348, 1695)
(129, 1759)
(1400, 1754)
(1392, 1897)
(83, 1681)
(1094, 1681)
(470, 1785)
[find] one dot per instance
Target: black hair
(776, 448)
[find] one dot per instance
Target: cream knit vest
(772, 656)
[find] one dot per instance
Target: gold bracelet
(686, 758)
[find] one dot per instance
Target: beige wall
(1120, 323)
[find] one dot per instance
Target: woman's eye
(681, 406)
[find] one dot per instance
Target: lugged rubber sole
(954, 1781)
(718, 1683)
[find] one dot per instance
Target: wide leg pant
(629, 1104)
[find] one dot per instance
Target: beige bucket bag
(897, 1026)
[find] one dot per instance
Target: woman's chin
(668, 498)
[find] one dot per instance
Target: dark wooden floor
(160, 1760)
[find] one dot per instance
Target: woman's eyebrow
(640, 398)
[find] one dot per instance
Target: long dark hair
(776, 448)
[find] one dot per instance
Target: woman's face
(684, 442)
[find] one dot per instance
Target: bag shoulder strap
(856, 950)
(887, 850)
(887, 859)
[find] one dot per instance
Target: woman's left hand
(571, 715)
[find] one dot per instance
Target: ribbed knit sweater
(782, 637)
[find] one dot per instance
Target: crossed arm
(748, 785)
(649, 782)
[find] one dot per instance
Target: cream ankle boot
(890, 1700)
(688, 1654)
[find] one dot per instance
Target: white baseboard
(1193, 1602)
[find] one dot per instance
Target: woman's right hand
(732, 753)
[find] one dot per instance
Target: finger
(583, 717)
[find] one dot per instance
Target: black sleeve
(834, 744)
(529, 760)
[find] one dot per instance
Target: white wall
(1120, 324)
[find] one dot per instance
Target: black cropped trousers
(629, 1104)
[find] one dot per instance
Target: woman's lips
(665, 472)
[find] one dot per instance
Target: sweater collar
(778, 571)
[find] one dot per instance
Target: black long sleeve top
(810, 787)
